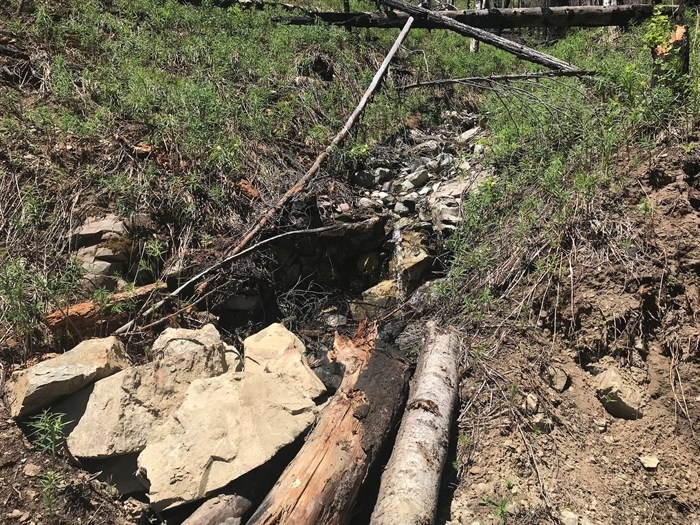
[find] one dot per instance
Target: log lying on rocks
(519, 50)
(320, 485)
(581, 16)
(411, 482)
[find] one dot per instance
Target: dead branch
(498, 78)
(519, 50)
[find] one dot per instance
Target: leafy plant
(48, 432)
(51, 485)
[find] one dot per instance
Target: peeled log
(411, 482)
(570, 16)
(320, 485)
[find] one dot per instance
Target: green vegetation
(552, 149)
(48, 431)
(51, 484)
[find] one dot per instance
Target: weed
(48, 431)
(51, 484)
(463, 440)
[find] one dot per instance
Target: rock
(531, 404)
(32, 389)
(444, 204)
(407, 186)
(432, 166)
(201, 449)
(415, 267)
(401, 209)
(277, 350)
(419, 177)
(226, 509)
(382, 175)
(620, 398)
(466, 137)
(479, 150)
(363, 178)
(569, 518)
(122, 411)
(375, 300)
(96, 229)
(649, 462)
(556, 378)
(175, 341)
(366, 202)
(428, 147)
(31, 470)
(445, 161)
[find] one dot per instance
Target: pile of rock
(186, 424)
(422, 187)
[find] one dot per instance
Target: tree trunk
(321, 484)
(411, 482)
(584, 16)
(474, 44)
(518, 50)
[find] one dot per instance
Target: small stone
(569, 518)
(425, 190)
(556, 378)
(366, 202)
(363, 178)
(479, 150)
(475, 470)
(432, 165)
(620, 397)
(601, 424)
(531, 404)
(407, 186)
(381, 175)
(419, 177)
(464, 138)
(541, 423)
(428, 147)
(649, 462)
(31, 470)
(401, 209)
(344, 207)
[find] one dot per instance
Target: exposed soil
(629, 299)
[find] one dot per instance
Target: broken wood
(411, 481)
(89, 317)
(571, 16)
(519, 50)
(497, 78)
(672, 60)
(220, 509)
(300, 184)
(320, 485)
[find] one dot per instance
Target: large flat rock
(225, 427)
(122, 411)
(277, 350)
(30, 390)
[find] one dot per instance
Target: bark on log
(89, 318)
(320, 485)
(225, 509)
(519, 50)
(497, 78)
(584, 16)
(411, 482)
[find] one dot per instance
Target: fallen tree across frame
(570, 16)
(519, 50)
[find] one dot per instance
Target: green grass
(551, 148)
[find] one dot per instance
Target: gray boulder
(32, 389)
(225, 427)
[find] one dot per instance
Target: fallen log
(497, 78)
(519, 50)
(410, 484)
(89, 317)
(581, 16)
(320, 485)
